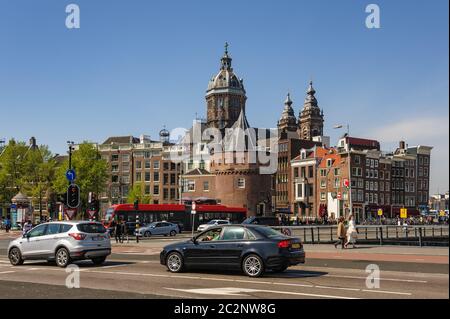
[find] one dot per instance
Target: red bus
(175, 213)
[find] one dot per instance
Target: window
(375, 186)
(425, 172)
(126, 179)
(406, 172)
(371, 186)
(155, 164)
(147, 176)
(381, 186)
(375, 173)
(172, 193)
(323, 172)
(360, 195)
(126, 167)
(138, 164)
(125, 158)
(191, 186)
(165, 194)
(372, 163)
(337, 171)
(206, 186)
(296, 172)
(420, 160)
(387, 175)
(166, 166)
(115, 179)
(147, 164)
(323, 183)
(241, 183)
(156, 177)
(114, 158)
(360, 183)
(37, 231)
(337, 183)
(367, 185)
(233, 233)
(173, 179)
(375, 198)
(53, 229)
(381, 174)
(367, 162)
(420, 171)
(311, 171)
(147, 189)
(329, 162)
(425, 160)
(376, 163)
(411, 187)
(357, 159)
(156, 190)
(114, 168)
(367, 197)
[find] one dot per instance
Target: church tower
(287, 122)
(311, 120)
(225, 97)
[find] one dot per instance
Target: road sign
(73, 196)
(442, 213)
(403, 213)
(71, 213)
(346, 183)
(91, 213)
(380, 212)
(70, 175)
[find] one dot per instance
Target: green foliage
(91, 172)
(137, 193)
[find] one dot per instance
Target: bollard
(318, 235)
(304, 233)
(381, 235)
(366, 233)
(420, 236)
(387, 232)
(312, 235)
(396, 232)
(331, 233)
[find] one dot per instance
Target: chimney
(142, 138)
(402, 145)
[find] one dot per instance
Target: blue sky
(135, 66)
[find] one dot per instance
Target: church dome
(226, 78)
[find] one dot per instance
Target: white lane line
(235, 291)
(249, 281)
(382, 279)
(388, 292)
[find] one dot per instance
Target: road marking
(248, 281)
(6, 272)
(388, 292)
(230, 291)
(382, 279)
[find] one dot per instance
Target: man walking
(118, 231)
(340, 233)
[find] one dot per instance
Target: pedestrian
(124, 231)
(352, 233)
(118, 231)
(27, 227)
(7, 224)
(340, 233)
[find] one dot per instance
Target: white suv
(62, 242)
(211, 223)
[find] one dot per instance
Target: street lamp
(350, 205)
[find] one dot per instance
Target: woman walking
(351, 232)
(340, 233)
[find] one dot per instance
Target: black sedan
(251, 248)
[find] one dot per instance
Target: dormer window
(329, 162)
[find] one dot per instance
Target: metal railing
(420, 235)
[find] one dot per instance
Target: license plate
(97, 238)
(296, 245)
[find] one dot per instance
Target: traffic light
(73, 196)
(136, 204)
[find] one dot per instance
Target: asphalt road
(134, 275)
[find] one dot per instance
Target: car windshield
(270, 232)
(211, 222)
(248, 221)
(91, 228)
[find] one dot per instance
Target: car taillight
(284, 244)
(77, 236)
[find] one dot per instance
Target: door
(231, 245)
(158, 230)
(32, 243)
(205, 251)
(50, 238)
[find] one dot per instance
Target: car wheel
(98, 260)
(62, 257)
(173, 233)
(147, 234)
(253, 266)
(174, 262)
(15, 257)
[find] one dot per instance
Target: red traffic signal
(73, 196)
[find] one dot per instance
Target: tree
(91, 173)
(137, 193)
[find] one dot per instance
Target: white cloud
(418, 130)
